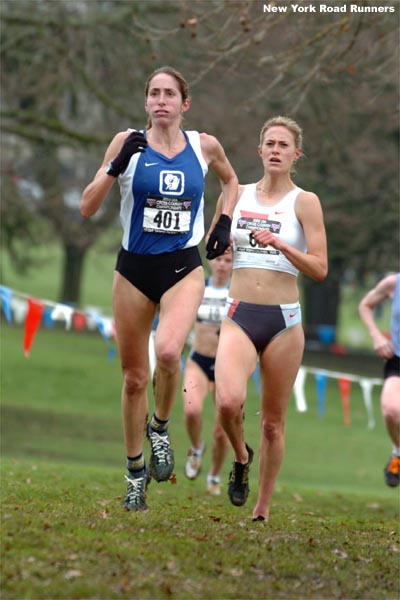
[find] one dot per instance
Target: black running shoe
(135, 498)
(392, 471)
(238, 487)
(162, 456)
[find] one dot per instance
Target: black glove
(135, 142)
(220, 237)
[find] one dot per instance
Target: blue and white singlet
(395, 318)
(162, 199)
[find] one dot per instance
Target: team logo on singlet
(172, 183)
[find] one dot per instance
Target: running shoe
(238, 488)
(392, 471)
(162, 456)
(135, 498)
(213, 486)
(193, 463)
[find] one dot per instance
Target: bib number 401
(167, 220)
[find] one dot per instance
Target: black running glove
(220, 237)
(135, 142)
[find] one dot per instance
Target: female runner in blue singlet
(161, 173)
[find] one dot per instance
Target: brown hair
(181, 81)
(290, 124)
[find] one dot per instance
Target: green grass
(333, 531)
(43, 280)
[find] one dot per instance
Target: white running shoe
(193, 463)
(213, 485)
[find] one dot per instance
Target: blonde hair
(179, 78)
(290, 124)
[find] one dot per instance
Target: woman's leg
(195, 390)
(178, 310)
(279, 363)
(235, 362)
(133, 314)
(219, 451)
(390, 406)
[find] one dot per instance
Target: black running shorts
(154, 274)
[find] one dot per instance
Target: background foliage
(74, 73)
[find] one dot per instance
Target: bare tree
(74, 71)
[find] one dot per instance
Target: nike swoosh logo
(292, 315)
(280, 212)
(150, 164)
(179, 270)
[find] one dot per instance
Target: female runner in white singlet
(278, 230)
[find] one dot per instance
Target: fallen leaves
(73, 574)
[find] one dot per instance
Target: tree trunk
(72, 274)
(322, 306)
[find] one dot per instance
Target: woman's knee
(135, 380)
(391, 411)
(192, 411)
(390, 403)
(229, 406)
(168, 356)
(272, 430)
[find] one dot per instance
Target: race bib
(211, 310)
(247, 249)
(167, 215)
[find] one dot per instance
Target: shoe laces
(135, 489)
(239, 475)
(160, 446)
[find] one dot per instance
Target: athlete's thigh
(390, 396)
(133, 314)
(195, 385)
(235, 362)
(178, 309)
(279, 365)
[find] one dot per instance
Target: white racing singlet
(212, 307)
(280, 219)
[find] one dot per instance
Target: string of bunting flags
(345, 381)
(23, 308)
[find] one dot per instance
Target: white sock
(198, 451)
(213, 479)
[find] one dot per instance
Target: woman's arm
(314, 262)
(95, 193)
(217, 160)
(382, 291)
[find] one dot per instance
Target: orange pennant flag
(32, 322)
(344, 387)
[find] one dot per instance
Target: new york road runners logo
(172, 183)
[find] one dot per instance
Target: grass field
(333, 531)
